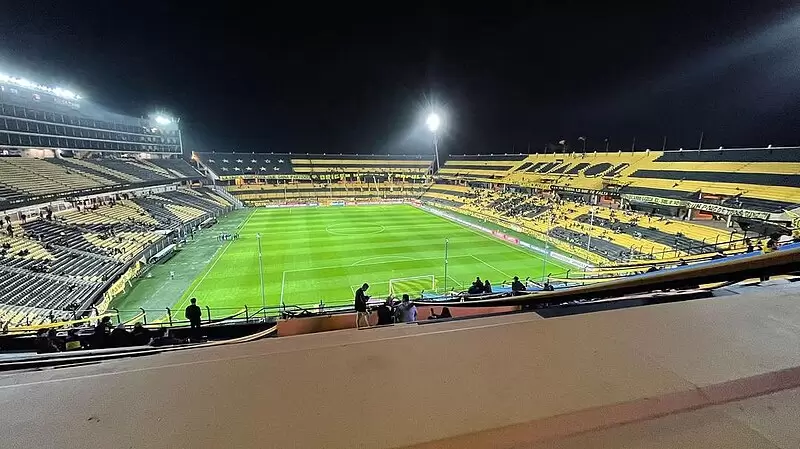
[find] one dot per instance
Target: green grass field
(325, 253)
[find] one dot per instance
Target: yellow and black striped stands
(592, 171)
(765, 179)
(399, 166)
(480, 167)
(319, 192)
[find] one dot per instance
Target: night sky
(359, 78)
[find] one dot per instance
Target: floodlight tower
(433, 123)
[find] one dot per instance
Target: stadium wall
(326, 323)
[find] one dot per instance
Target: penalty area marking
(359, 262)
(491, 266)
(350, 231)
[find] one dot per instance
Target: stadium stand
(55, 265)
(260, 179)
(63, 177)
(647, 204)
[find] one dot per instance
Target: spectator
(194, 315)
(361, 305)
(772, 244)
(141, 336)
(749, 245)
(487, 287)
(548, 287)
(385, 312)
(408, 311)
(120, 337)
(517, 286)
(45, 344)
(100, 334)
(476, 288)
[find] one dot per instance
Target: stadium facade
(33, 116)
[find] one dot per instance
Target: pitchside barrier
(502, 236)
(440, 213)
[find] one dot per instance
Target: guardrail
(734, 269)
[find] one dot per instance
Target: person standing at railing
(194, 315)
(361, 306)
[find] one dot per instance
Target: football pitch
(324, 253)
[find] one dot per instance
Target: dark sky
(357, 78)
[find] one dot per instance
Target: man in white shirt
(408, 311)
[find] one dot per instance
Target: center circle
(354, 230)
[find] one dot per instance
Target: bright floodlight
(433, 122)
(161, 120)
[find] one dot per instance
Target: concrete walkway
(672, 375)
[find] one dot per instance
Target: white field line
(496, 240)
(492, 266)
(360, 262)
(374, 263)
(211, 268)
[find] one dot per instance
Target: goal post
(413, 285)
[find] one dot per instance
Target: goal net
(413, 286)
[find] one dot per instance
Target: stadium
(108, 220)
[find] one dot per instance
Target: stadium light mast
(433, 122)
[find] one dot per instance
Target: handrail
(785, 260)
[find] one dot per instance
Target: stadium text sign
(714, 208)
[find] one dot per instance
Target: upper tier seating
(757, 179)
(479, 167)
(310, 166)
(28, 180)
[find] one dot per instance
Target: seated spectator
(385, 312)
(120, 337)
(141, 336)
(476, 288)
(487, 287)
(517, 286)
(100, 334)
(407, 310)
(548, 287)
